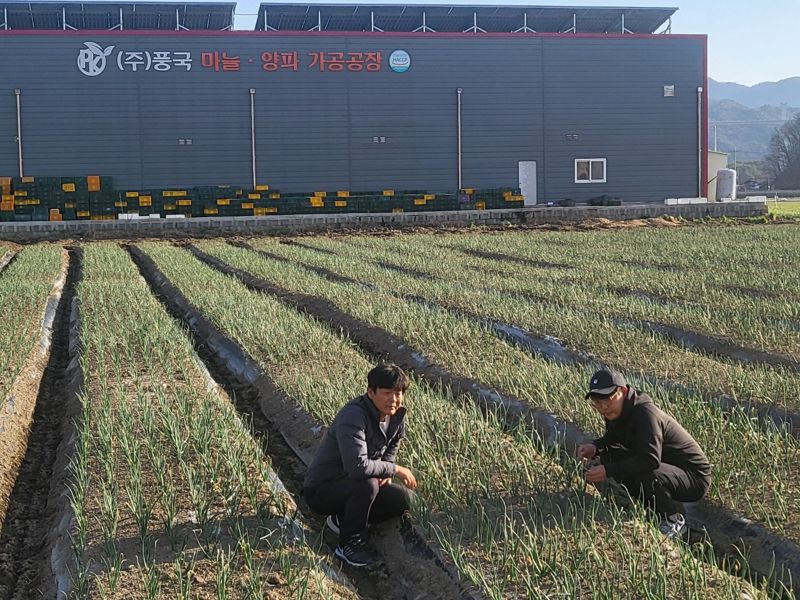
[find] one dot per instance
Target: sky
(749, 41)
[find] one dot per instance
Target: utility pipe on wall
(17, 93)
(458, 91)
(253, 132)
(700, 142)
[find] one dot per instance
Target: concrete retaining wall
(33, 231)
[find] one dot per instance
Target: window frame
(590, 161)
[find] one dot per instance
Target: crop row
(519, 299)
(747, 458)
(24, 288)
(172, 495)
(513, 517)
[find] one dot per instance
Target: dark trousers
(662, 490)
(358, 502)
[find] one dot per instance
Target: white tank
(726, 184)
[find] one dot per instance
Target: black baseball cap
(604, 382)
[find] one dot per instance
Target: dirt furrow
(7, 259)
(413, 570)
(767, 553)
(24, 543)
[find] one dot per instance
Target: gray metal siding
(611, 96)
(315, 130)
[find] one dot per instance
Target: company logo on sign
(399, 61)
(92, 59)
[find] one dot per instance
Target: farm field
(787, 208)
(196, 380)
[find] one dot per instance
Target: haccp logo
(92, 59)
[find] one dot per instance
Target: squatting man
(646, 451)
(350, 477)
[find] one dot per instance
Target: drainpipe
(253, 132)
(459, 90)
(699, 141)
(17, 93)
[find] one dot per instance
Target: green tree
(783, 157)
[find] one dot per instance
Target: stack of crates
(95, 197)
(6, 199)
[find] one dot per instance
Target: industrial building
(565, 103)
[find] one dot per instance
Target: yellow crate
(169, 207)
(317, 202)
(515, 198)
(480, 206)
(340, 203)
(320, 194)
(343, 194)
(70, 204)
(83, 213)
(7, 206)
(388, 192)
(8, 197)
(5, 180)
(507, 195)
(468, 190)
(260, 212)
(120, 204)
(34, 202)
(184, 202)
(68, 187)
(223, 202)
(419, 201)
(173, 193)
(262, 188)
(93, 181)
(20, 193)
(254, 196)
(27, 180)
(210, 211)
(275, 196)
(247, 205)
(145, 201)
(131, 194)
(397, 210)
(430, 196)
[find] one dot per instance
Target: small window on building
(590, 170)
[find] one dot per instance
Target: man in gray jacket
(350, 478)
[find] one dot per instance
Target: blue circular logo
(399, 61)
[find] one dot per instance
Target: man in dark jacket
(350, 478)
(646, 451)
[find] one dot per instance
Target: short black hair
(388, 376)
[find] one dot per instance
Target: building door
(527, 181)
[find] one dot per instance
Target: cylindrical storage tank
(726, 184)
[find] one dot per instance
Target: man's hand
(406, 477)
(596, 474)
(383, 482)
(587, 451)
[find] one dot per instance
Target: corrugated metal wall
(522, 98)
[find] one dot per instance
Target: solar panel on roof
(78, 15)
(457, 18)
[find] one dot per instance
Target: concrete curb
(32, 231)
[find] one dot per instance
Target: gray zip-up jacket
(355, 446)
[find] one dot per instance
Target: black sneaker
(333, 523)
(355, 553)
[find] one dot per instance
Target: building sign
(94, 59)
(399, 61)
